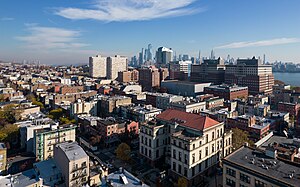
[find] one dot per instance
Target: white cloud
(7, 19)
(51, 38)
(278, 41)
(130, 10)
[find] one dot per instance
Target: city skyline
(69, 32)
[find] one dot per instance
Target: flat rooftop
(264, 166)
(72, 150)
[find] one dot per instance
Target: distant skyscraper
(141, 57)
(212, 55)
(149, 53)
(164, 55)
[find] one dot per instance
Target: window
(194, 146)
(142, 149)
(185, 159)
(230, 182)
(193, 158)
(179, 169)
(142, 139)
(206, 138)
(206, 151)
(149, 143)
(174, 166)
(179, 157)
(179, 144)
(213, 135)
(149, 153)
(213, 148)
(185, 172)
(260, 183)
(218, 133)
(244, 178)
(200, 154)
(230, 172)
(174, 154)
(174, 142)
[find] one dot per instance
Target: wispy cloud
(51, 38)
(278, 41)
(130, 10)
(7, 19)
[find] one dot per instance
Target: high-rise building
(252, 73)
(149, 77)
(208, 71)
(164, 55)
(149, 53)
(114, 65)
(180, 69)
(97, 66)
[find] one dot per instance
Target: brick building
(227, 92)
(252, 73)
(128, 76)
(149, 78)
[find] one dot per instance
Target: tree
(66, 121)
(9, 113)
(239, 137)
(182, 182)
(30, 97)
(56, 114)
(123, 152)
(9, 133)
(40, 104)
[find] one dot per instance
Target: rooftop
(26, 178)
(72, 150)
(123, 178)
(257, 162)
(194, 121)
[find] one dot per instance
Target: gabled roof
(190, 120)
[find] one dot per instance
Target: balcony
(53, 137)
(78, 176)
(79, 168)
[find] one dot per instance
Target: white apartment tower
(97, 66)
(114, 65)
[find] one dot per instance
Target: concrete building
(251, 73)
(111, 104)
(188, 105)
(140, 113)
(73, 162)
(211, 70)
(191, 143)
(27, 129)
(3, 153)
(114, 65)
(227, 92)
(97, 66)
(45, 139)
(149, 78)
(184, 88)
(249, 167)
(83, 107)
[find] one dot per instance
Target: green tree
(9, 113)
(31, 97)
(9, 133)
(56, 114)
(182, 182)
(40, 104)
(239, 137)
(123, 152)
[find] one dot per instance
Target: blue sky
(68, 32)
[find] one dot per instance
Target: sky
(69, 31)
